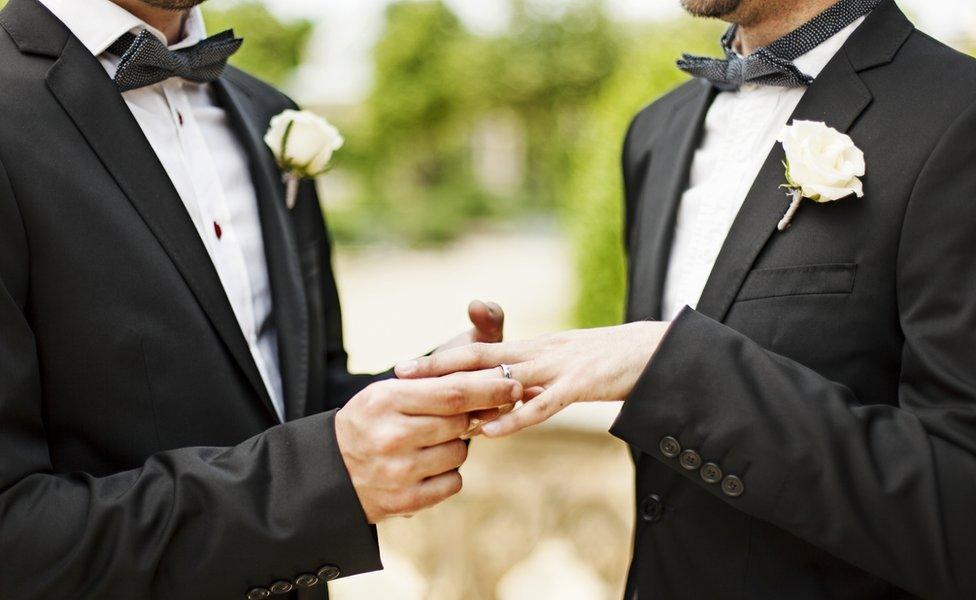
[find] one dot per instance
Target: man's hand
(489, 325)
(555, 370)
(399, 439)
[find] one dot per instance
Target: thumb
(489, 321)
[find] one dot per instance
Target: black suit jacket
(831, 367)
(140, 456)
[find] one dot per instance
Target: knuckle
(389, 441)
(454, 398)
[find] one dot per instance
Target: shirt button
(329, 572)
(670, 447)
(281, 587)
(711, 473)
(258, 594)
(652, 509)
(690, 460)
(732, 486)
(306, 580)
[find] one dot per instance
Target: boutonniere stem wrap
(822, 164)
(303, 144)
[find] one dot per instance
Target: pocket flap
(799, 280)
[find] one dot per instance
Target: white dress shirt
(196, 144)
(740, 131)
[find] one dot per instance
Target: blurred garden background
(482, 161)
(483, 158)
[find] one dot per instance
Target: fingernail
(407, 367)
(490, 429)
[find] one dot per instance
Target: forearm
(870, 484)
(199, 522)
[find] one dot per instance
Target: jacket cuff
(344, 538)
(679, 398)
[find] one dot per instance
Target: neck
(763, 27)
(169, 22)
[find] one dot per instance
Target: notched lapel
(669, 172)
(837, 97)
(92, 101)
(284, 268)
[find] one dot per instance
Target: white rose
(311, 142)
(822, 162)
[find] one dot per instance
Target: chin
(711, 8)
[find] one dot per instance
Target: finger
(489, 321)
(529, 374)
(453, 396)
(531, 413)
(437, 489)
(426, 431)
(474, 357)
(442, 458)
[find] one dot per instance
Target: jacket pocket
(798, 281)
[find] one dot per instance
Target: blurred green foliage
(594, 209)
(436, 82)
(272, 48)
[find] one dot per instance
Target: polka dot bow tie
(145, 60)
(772, 65)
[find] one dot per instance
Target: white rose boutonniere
(303, 144)
(822, 164)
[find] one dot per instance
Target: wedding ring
(506, 371)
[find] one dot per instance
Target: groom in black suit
(171, 355)
(804, 420)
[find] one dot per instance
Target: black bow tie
(147, 61)
(772, 65)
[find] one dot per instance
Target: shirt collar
(813, 62)
(99, 23)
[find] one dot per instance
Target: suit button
(258, 594)
(711, 473)
(670, 447)
(732, 486)
(652, 508)
(329, 572)
(306, 580)
(690, 460)
(281, 587)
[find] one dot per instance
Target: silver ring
(506, 371)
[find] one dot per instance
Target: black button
(732, 486)
(670, 447)
(306, 580)
(711, 473)
(652, 508)
(281, 587)
(329, 572)
(690, 460)
(258, 594)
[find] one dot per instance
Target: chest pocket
(798, 281)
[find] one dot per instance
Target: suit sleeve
(889, 489)
(190, 523)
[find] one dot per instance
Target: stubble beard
(174, 5)
(715, 9)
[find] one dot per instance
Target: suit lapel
(288, 292)
(90, 98)
(837, 97)
(661, 196)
